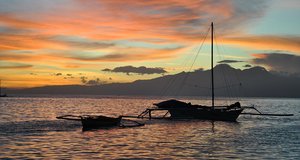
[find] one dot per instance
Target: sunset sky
(59, 42)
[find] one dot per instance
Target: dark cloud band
(229, 61)
(137, 70)
(279, 62)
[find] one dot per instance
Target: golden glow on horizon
(87, 36)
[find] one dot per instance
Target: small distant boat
(90, 122)
(2, 95)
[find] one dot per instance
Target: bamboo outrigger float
(263, 114)
(147, 114)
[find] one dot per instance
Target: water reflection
(28, 129)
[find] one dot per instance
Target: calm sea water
(29, 129)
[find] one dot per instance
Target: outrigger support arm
(70, 117)
(263, 114)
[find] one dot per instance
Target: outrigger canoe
(89, 122)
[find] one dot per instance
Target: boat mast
(212, 66)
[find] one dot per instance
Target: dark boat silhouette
(91, 122)
(182, 110)
(94, 121)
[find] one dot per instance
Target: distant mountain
(252, 82)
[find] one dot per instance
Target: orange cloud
(16, 67)
(258, 55)
(111, 20)
(30, 57)
(20, 23)
(83, 34)
(27, 42)
(171, 20)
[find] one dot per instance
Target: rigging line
(236, 78)
(177, 77)
(236, 92)
(240, 85)
(223, 72)
(173, 79)
(196, 86)
(231, 90)
(199, 50)
(225, 82)
(233, 85)
(187, 74)
(208, 88)
(239, 92)
(242, 89)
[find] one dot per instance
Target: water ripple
(29, 130)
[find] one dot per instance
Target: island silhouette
(251, 82)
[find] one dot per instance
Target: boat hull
(91, 122)
(205, 114)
